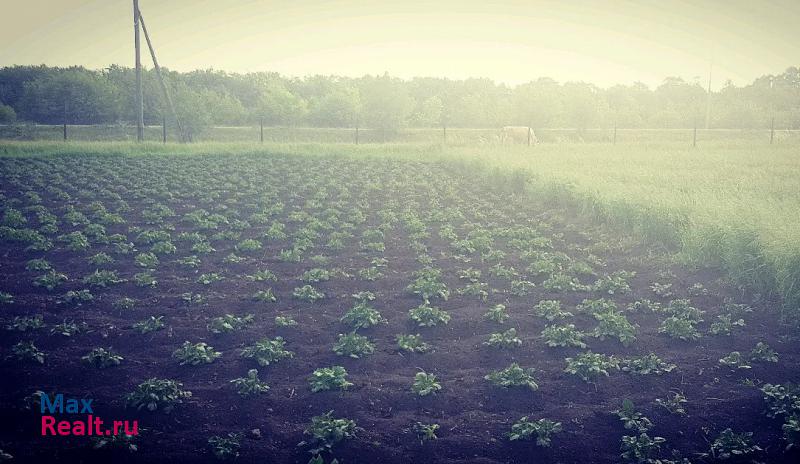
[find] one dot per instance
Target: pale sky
(603, 41)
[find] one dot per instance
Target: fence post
(65, 119)
(261, 125)
(444, 133)
(356, 134)
(529, 136)
(164, 129)
(615, 133)
(772, 131)
(694, 134)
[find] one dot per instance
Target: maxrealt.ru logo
(88, 425)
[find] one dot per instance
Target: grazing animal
(517, 134)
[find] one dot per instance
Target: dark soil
(474, 416)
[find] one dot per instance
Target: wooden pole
(529, 136)
(139, 91)
(772, 131)
(444, 133)
(164, 129)
(65, 118)
(161, 78)
(708, 98)
(356, 134)
(615, 133)
(694, 134)
(261, 125)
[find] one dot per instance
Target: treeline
(48, 95)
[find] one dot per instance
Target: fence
(452, 136)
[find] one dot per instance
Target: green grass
(729, 203)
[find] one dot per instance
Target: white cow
(517, 134)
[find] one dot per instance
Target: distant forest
(43, 94)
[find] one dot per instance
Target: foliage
(632, 419)
(514, 376)
(362, 316)
(427, 284)
(307, 293)
(50, 280)
(102, 358)
(496, 313)
(150, 324)
(735, 360)
(285, 321)
(412, 343)
(69, 328)
(641, 448)
(195, 353)
(673, 404)
(225, 448)
(542, 429)
(267, 351)
(683, 329)
(27, 351)
(615, 325)
(155, 393)
(428, 316)
(329, 378)
(265, 296)
(724, 325)
(729, 444)
(762, 352)
(564, 335)
(646, 365)
(229, 323)
(550, 310)
(250, 385)
(326, 431)
(507, 339)
(425, 384)
(121, 441)
(26, 323)
(589, 366)
(353, 345)
(426, 432)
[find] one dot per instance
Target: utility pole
(157, 68)
(139, 92)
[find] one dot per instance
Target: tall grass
(731, 204)
(735, 206)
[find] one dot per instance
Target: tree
(387, 104)
(89, 98)
(7, 114)
(278, 106)
(340, 108)
(581, 105)
(429, 113)
(537, 103)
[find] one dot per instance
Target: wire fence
(454, 136)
